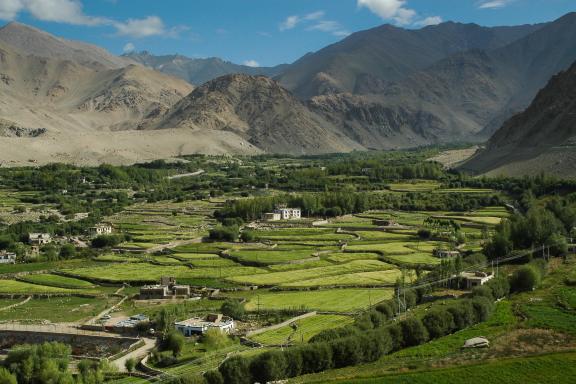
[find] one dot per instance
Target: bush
(236, 370)
(106, 241)
(316, 357)
(463, 314)
(386, 309)
(526, 278)
(269, 366)
(247, 236)
(174, 342)
(213, 377)
(224, 234)
(482, 308)
(233, 309)
(438, 322)
(424, 234)
(484, 291)
(6, 377)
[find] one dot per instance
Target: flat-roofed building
(197, 326)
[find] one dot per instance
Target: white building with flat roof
(7, 257)
(476, 279)
(40, 238)
(196, 326)
(289, 213)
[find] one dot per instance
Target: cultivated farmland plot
(303, 331)
(333, 300)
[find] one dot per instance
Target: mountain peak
(29, 40)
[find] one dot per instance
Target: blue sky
(257, 32)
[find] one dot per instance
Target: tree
(236, 370)
(526, 278)
(68, 251)
(130, 364)
(413, 332)
(247, 236)
(213, 377)
(6, 377)
(174, 342)
(269, 366)
(439, 322)
(234, 309)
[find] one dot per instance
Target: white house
(7, 258)
(196, 326)
(289, 213)
(476, 279)
(40, 238)
(100, 229)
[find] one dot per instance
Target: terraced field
(58, 281)
(144, 272)
(303, 330)
(277, 278)
(335, 300)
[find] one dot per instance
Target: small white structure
(289, 213)
(198, 326)
(7, 257)
(40, 238)
(476, 279)
(272, 216)
(445, 254)
(100, 229)
(477, 342)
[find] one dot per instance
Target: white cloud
(129, 47)
(251, 63)
(146, 27)
(61, 11)
(316, 22)
(329, 26)
(292, 21)
(9, 9)
(289, 23)
(149, 26)
(493, 4)
(70, 12)
(394, 10)
(432, 20)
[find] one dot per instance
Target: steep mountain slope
(542, 138)
(198, 71)
(31, 41)
(388, 53)
(259, 110)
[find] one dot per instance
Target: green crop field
(195, 256)
(423, 186)
(554, 368)
(20, 287)
(275, 278)
(58, 281)
(369, 279)
(58, 309)
(392, 248)
(305, 330)
(337, 300)
(380, 235)
(272, 256)
(345, 257)
(144, 272)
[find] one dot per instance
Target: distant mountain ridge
(198, 71)
(389, 54)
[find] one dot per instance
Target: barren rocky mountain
(31, 41)
(389, 53)
(463, 97)
(542, 138)
(259, 110)
(198, 71)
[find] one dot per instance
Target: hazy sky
(256, 32)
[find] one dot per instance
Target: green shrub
(526, 278)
